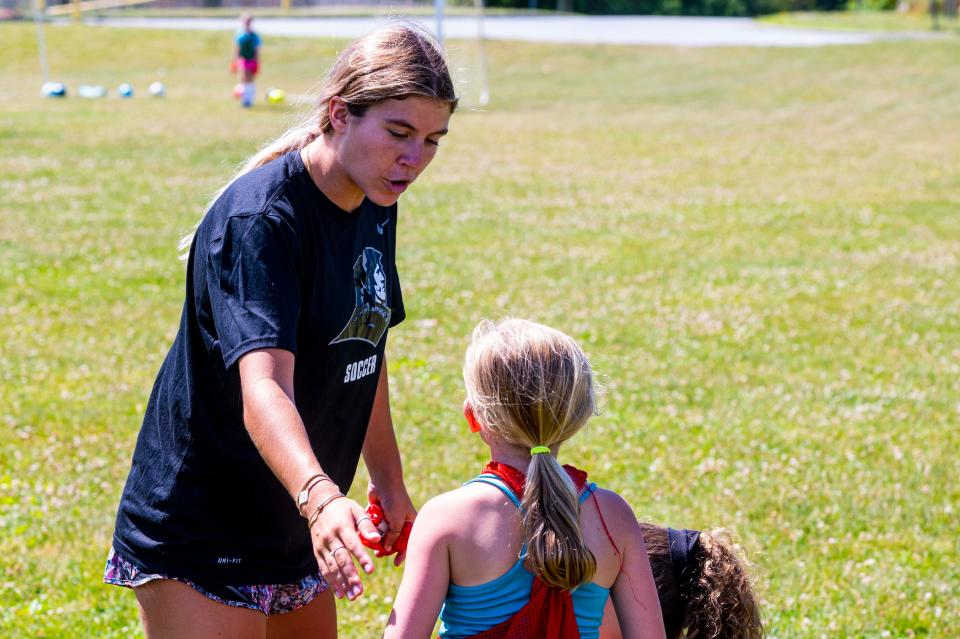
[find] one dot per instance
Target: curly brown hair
(716, 600)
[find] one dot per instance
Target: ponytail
(556, 550)
(531, 385)
(294, 139)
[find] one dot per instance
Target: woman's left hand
(397, 510)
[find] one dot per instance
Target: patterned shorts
(269, 599)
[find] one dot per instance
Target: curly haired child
(703, 585)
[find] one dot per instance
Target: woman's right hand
(271, 417)
(336, 544)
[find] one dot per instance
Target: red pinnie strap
(515, 479)
(510, 475)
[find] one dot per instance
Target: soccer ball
(276, 96)
(237, 91)
(157, 89)
(54, 90)
(125, 90)
(91, 91)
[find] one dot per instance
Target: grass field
(758, 248)
(887, 21)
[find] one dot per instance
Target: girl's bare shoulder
(617, 513)
(450, 510)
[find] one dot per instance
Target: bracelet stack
(323, 504)
(303, 496)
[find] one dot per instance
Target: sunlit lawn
(886, 21)
(758, 248)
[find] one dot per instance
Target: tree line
(674, 7)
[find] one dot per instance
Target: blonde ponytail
(531, 385)
(556, 549)
(293, 139)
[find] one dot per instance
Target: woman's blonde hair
(397, 61)
(531, 385)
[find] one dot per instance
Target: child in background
(703, 585)
(528, 548)
(246, 58)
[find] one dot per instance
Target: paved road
(632, 30)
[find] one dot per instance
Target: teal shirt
(469, 610)
(247, 44)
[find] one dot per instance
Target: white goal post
(457, 24)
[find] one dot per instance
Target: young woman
(703, 584)
(233, 521)
(528, 548)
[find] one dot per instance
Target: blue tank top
(469, 610)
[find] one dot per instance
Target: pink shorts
(251, 66)
(268, 599)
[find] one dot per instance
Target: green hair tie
(536, 450)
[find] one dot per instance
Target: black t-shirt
(274, 264)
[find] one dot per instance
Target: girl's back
(487, 538)
(501, 563)
(476, 531)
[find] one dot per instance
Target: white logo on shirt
(360, 369)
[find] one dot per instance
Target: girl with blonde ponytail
(529, 548)
(233, 521)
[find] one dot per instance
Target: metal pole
(438, 10)
(485, 90)
(39, 8)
